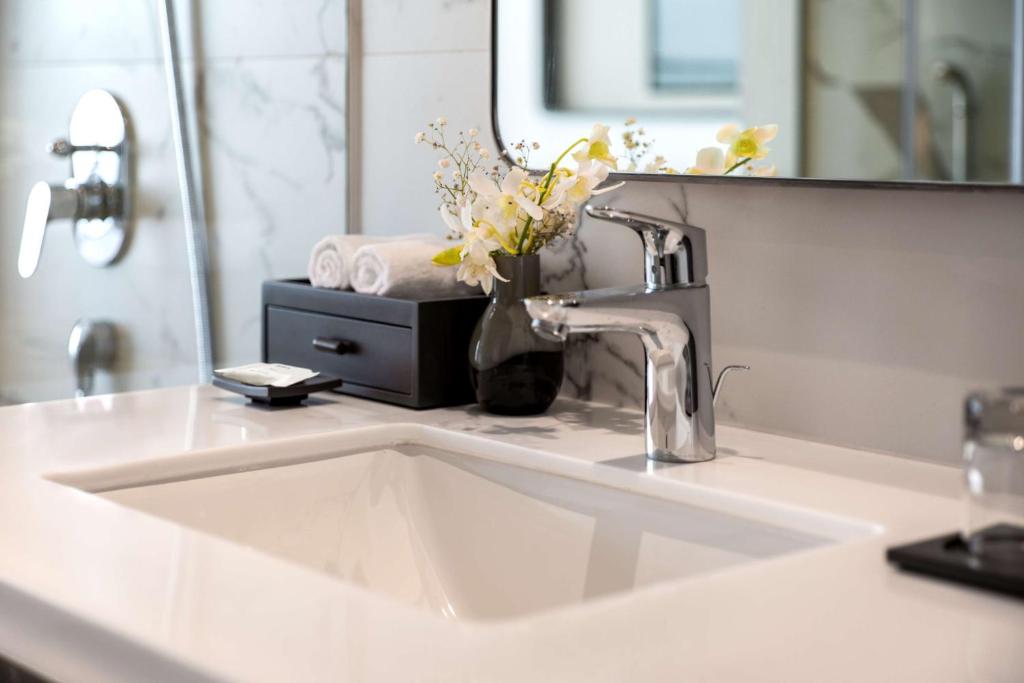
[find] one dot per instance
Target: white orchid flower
(598, 148)
(710, 161)
(746, 144)
(576, 188)
(461, 224)
(450, 220)
(500, 204)
(477, 266)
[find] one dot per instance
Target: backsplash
(866, 315)
(273, 120)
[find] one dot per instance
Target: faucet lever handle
(717, 386)
(45, 203)
(674, 252)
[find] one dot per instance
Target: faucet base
(660, 455)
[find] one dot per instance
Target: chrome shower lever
(96, 197)
(46, 202)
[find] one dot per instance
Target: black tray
(946, 557)
(279, 396)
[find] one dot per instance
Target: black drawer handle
(331, 345)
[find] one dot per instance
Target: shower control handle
(45, 203)
(97, 195)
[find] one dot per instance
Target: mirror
(890, 90)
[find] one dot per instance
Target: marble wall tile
(418, 26)
(402, 94)
(275, 137)
(128, 30)
(70, 31)
(268, 28)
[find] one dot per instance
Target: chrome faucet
(671, 313)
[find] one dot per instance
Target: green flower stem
(545, 190)
(737, 165)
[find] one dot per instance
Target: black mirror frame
(927, 185)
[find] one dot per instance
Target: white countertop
(93, 591)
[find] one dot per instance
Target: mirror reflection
(883, 90)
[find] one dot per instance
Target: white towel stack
(403, 269)
(330, 263)
(398, 267)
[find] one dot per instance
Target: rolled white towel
(330, 262)
(403, 269)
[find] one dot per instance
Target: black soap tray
(946, 557)
(279, 396)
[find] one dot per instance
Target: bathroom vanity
(180, 534)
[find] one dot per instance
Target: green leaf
(449, 257)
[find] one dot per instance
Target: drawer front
(360, 352)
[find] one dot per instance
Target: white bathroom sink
(443, 521)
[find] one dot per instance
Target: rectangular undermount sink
(445, 521)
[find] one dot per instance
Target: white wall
(273, 118)
(865, 314)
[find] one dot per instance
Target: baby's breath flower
(441, 121)
(420, 137)
(444, 163)
(473, 132)
(437, 176)
(631, 121)
(484, 153)
(535, 145)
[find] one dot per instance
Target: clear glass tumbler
(993, 525)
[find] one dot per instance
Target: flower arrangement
(497, 209)
(743, 147)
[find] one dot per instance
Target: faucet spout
(672, 323)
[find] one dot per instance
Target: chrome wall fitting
(92, 346)
(97, 197)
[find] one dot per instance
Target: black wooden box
(411, 353)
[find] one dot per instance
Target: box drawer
(360, 352)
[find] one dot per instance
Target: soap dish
(279, 396)
(946, 557)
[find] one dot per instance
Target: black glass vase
(514, 371)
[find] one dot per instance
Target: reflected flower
(598, 148)
(710, 161)
(747, 144)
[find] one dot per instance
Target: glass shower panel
(268, 106)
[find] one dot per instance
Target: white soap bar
(267, 374)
